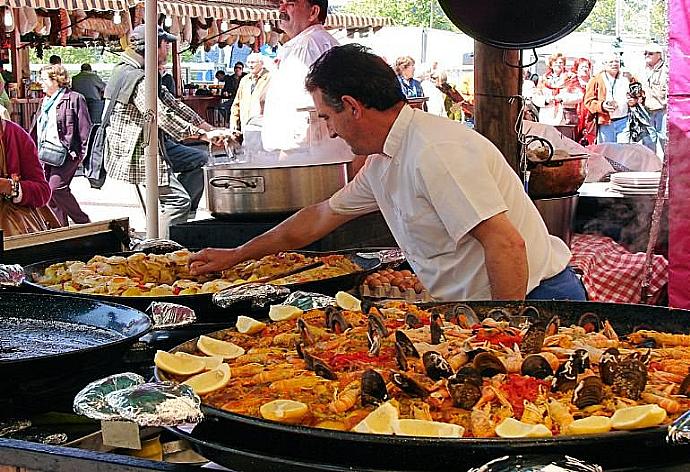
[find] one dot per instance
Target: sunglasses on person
(647, 53)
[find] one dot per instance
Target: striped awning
(347, 21)
(102, 5)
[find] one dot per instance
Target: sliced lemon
(210, 362)
(216, 347)
(284, 411)
(638, 417)
(348, 302)
(176, 364)
(434, 429)
(589, 425)
(284, 312)
(247, 325)
(379, 421)
(210, 381)
(512, 428)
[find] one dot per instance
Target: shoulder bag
(52, 154)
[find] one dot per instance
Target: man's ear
(314, 12)
(352, 105)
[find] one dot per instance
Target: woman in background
(404, 68)
(63, 124)
(548, 94)
(23, 186)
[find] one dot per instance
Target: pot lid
(517, 25)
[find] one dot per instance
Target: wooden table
(24, 110)
(201, 105)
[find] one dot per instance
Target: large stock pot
(242, 189)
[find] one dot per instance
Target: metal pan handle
(228, 182)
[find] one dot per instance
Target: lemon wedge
(216, 347)
(284, 411)
(209, 381)
(284, 312)
(512, 428)
(434, 429)
(589, 425)
(176, 364)
(638, 417)
(210, 362)
(348, 302)
(379, 421)
(247, 325)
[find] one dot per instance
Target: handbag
(52, 154)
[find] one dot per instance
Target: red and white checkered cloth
(613, 274)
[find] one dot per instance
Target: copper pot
(556, 177)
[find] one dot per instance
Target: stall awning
(102, 5)
(347, 21)
(226, 10)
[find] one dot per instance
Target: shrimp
(560, 414)
(669, 404)
(293, 385)
(246, 370)
(664, 339)
(481, 424)
(272, 375)
(347, 398)
(513, 361)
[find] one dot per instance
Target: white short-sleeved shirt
(285, 127)
(436, 180)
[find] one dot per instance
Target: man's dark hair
(238, 64)
(86, 67)
(220, 73)
(55, 59)
(323, 8)
(353, 70)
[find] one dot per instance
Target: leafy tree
(403, 12)
(74, 55)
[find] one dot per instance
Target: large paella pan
(327, 363)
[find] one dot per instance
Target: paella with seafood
(142, 274)
(401, 369)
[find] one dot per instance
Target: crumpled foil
(537, 464)
(258, 294)
(10, 426)
(11, 275)
(157, 404)
(170, 315)
(91, 402)
(156, 246)
(388, 257)
(308, 300)
(52, 439)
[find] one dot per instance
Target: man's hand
(218, 137)
(213, 260)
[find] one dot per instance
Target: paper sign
(121, 434)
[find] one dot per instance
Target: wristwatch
(14, 192)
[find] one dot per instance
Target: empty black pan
(510, 24)
(51, 346)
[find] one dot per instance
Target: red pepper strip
(342, 360)
(519, 388)
(498, 337)
(176, 290)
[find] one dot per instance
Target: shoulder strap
(105, 121)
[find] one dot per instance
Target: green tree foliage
(403, 12)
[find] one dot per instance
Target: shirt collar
(305, 32)
(398, 132)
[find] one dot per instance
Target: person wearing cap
(251, 93)
(285, 127)
(655, 86)
(125, 137)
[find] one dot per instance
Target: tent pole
(151, 86)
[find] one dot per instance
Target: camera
(635, 90)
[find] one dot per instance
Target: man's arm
(304, 227)
(505, 256)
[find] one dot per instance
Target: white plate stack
(635, 183)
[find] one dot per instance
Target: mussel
(408, 385)
(376, 320)
(685, 386)
(499, 314)
(462, 315)
(565, 378)
(608, 364)
(376, 332)
(374, 389)
(412, 321)
(590, 322)
(401, 358)
(406, 344)
(436, 366)
(436, 328)
(305, 334)
(488, 365)
(335, 319)
(589, 391)
(465, 387)
(536, 365)
(630, 378)
(539, 328)
(322, 369)
(580, 360)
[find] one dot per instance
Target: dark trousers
(62, 202)
(192, 178)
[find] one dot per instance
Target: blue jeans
(615, 132)
(562, 286)
(659, 124)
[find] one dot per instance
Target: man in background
(232, 82)
(55, 59)
(89, 84)
(251, 94)
(655, 86)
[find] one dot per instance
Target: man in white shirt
(455, 207)
(285, 127)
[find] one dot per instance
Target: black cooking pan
(51, 346)
(252, 444)
(202, 303)
(517, 25)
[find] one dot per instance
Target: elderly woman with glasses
(62, 131)
(548, 95)
(404, 69)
